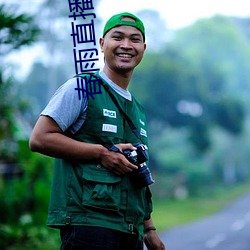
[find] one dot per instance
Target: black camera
(142, 176)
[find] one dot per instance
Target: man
(95, 202)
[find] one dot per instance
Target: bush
(24, 204)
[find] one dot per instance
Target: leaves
(207, 67)
(16, 30)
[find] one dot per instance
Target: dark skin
(152, 241)
(123, 48)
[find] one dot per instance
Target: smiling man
(96, 201)
(123, 44)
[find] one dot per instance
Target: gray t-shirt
(68, 111)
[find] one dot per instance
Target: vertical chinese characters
(85, 59)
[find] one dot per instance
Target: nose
(126, 44)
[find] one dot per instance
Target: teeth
(125, 55)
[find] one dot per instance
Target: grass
(170, 213)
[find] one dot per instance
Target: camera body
(142, 177)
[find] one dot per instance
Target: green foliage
(15, 30)
(219, 49)
(6, 108)
(197, 79)
(199, 135)
(230, 114)
(24, 204)
(24, 235)
(8, 105)
(29, 193)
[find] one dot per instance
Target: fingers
(116, 162)
(120, 165)
(124, 146)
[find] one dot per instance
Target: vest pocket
(101, 188)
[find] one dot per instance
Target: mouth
(123, 55)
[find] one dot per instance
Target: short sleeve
(66, 108)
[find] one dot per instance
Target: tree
(186, 83)
(16, 31)
(196, 93)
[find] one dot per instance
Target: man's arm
(47, 138)
(151, 239)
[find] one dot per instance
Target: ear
(101, 42)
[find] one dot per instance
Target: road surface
(227, 230)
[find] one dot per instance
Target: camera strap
(125, 116)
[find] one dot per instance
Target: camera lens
(144, 177)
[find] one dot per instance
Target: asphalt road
(227, 230)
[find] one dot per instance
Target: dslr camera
(142, 176)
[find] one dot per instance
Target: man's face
(123, 48)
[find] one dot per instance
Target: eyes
(133, 38)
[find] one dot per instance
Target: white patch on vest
(109, 128)
(142, 122)
(109, 113)
(143, 132)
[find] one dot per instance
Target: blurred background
(194, 82)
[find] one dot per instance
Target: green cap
(117, 20)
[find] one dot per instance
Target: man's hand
(116, 162)
(152, 241)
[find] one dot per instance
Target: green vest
(88, 194)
